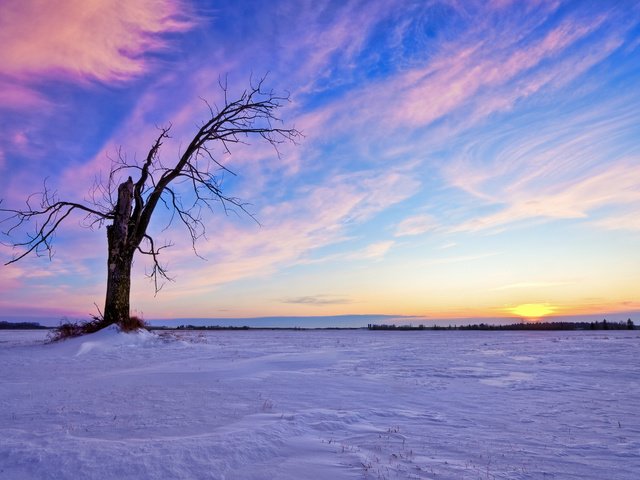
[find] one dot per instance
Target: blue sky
(460, 159)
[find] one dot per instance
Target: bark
(120, 258)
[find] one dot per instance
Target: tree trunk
(120, 258)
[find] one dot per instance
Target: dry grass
(134, 323)
(68, 329)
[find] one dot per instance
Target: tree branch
(157, 271)
(47, 218)
(253, 114)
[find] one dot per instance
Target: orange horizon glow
(533, 310)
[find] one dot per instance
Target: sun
(532, 310)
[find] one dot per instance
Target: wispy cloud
(97, 39)
(49, 47)
(374, 251)
(532, 198)
(344, 29)
(414, 225)
(19, 97)
(318, 300)
(458, 258)
(292, 230)
(531, 285)
(481, 61)
(621, 220)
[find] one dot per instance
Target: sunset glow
(460, 159)
(532, 310)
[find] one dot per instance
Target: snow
(107, 339)
(321, 405)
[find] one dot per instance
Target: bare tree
(127, 207)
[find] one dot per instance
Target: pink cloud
(553, 77)
(17, 97)
(16, 312)
(484, 70)
(374, 251)
(625, 220)
(62, 285)
(291, 231)
(96, 39)
(318, 46)
(618, 185)
(457, 76)
(414, 225)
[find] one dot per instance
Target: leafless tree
(127, 207)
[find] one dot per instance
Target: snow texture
(321, 405)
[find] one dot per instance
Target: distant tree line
(206, 327)
(528, 326)
(21, 326)
(245, 327)
(385, 326)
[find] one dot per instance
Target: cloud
(19, 97)
(531, 285)
(325, 40)
(458, 259)
(68, 279)
(550, 79)
(93, 39)
(317, 213)
(624, 220)
(318, 300)
(617, 185)
(414, 225)
(487, 68)
(374, 251)
(292, 230)
(577, 159)
(463, 70)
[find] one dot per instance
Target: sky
(460, 159)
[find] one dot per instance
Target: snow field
(321, 405)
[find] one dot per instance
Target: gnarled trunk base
(117, 307)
